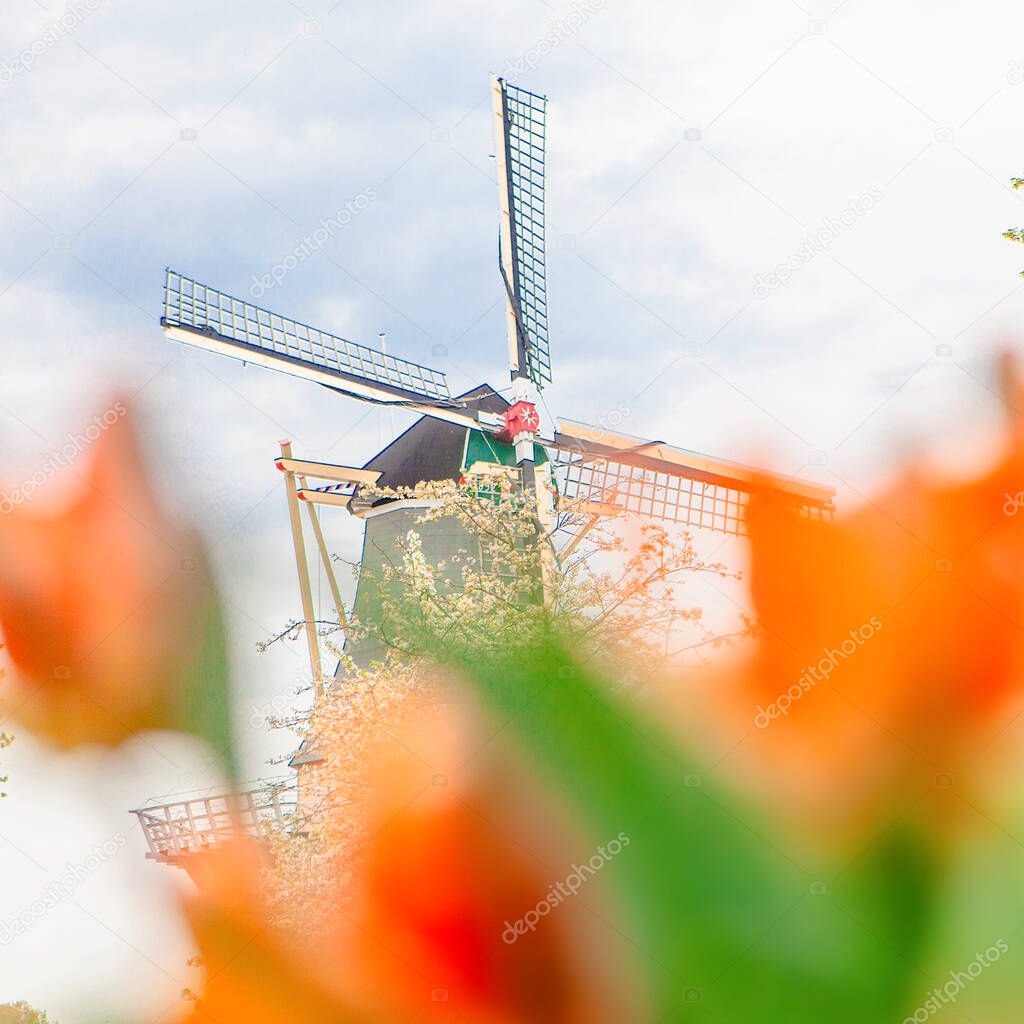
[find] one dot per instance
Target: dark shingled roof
(430, 449)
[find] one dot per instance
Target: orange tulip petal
(450, 868)
(891, 649)
(97, 601)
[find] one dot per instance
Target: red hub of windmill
(520, 418)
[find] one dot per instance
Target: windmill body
(430, 450)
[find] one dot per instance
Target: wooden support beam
(327, 471)
(505, 224)
(325, 557)
(302, 567)
(348, 384)
(546, 520)
(337, 499)
(569, 548)
(575, 506)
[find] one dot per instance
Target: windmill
(603, 472)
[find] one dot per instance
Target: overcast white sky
(691, 148)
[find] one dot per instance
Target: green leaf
(728, 923)
(201, 699)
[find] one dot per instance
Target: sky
(694, 149)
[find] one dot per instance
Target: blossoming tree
(614, 593)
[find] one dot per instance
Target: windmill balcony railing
(193, 825)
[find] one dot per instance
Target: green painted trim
(483, 447)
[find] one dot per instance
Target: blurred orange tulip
(891, 646)
(452, 864)
(101, 603)
(253, 973)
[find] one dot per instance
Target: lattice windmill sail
(520, 131)
(613, 472)
(199, 315)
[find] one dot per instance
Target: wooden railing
(175, 830)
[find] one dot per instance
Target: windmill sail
(210, 319)
(608, 472)
(520, 127)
